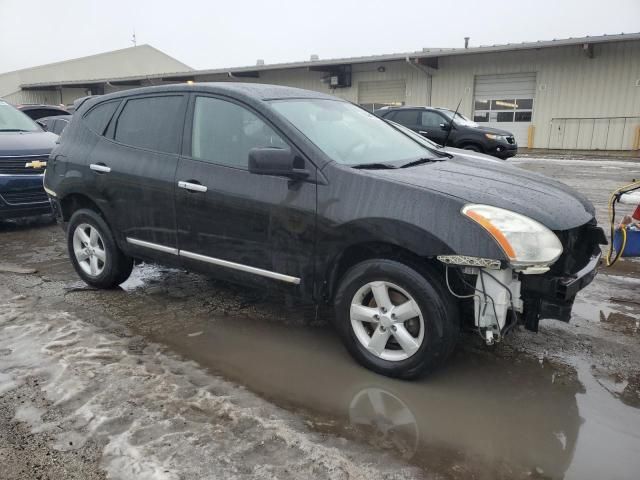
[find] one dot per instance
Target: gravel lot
(176, 376)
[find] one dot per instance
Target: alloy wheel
(89, 249)
(387, 321)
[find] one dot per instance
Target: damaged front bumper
(551, 296)
(504, 297)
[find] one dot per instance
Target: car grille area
(25, 197)
(16, 165)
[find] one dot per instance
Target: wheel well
(76, 201)
(365, 251)
(474, 144)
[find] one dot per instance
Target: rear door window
(98, 117)
(405, 117)
(153, 123)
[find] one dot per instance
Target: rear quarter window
(98, 117)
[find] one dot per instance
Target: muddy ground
(176, 376)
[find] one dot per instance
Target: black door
(240, 225)
(434, 126)
(134, 169)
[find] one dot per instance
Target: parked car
(22, 142)
(36, 112)
(276, 186)
(435, 124)
(55, 124)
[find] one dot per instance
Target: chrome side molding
(152, 246)
(216, 261)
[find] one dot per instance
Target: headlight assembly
(524, 241)
(493, 136)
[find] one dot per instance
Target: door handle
(423, 132)
(99, 167)
(192, 187)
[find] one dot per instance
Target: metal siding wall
(417, 91)
(33, 96)
(569, 84)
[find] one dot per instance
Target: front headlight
(524, 241)
(493, 136)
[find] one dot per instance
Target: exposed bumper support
(547, 296)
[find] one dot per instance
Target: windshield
(348, 134)
(460, 119)
(12, 120)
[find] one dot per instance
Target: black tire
(116, 267)
(439, 311)
(473, 148)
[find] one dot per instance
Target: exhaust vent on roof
(315, 58)
(260, 61)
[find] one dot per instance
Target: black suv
(277, 186)
(434, 124)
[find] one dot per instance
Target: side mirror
(444, 126)
(277, 161)
(42, 124)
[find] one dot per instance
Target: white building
(580, 93)
(140, 61)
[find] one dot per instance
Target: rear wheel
(93, 251)
(396, 320)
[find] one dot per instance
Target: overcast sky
(210, 34)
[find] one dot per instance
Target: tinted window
(59, 125)
(431, 120)
(224, 132)
(98, 117)
(151, 122)
(405, 117)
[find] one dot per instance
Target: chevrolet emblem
(35, 164)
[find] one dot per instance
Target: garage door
(374, 95)
(506, 102)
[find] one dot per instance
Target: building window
(523, 116)
(504, 110)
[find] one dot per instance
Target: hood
(15, 144)
(483, 180)
(495, 131)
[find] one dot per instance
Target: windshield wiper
(13, 130)
(374, 166)
(420, 161)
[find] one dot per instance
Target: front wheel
(93, 251)
(473, 148)
(394, 319)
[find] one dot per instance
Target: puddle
(481, 415)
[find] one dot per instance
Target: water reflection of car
(433, 123)
(22, 142)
